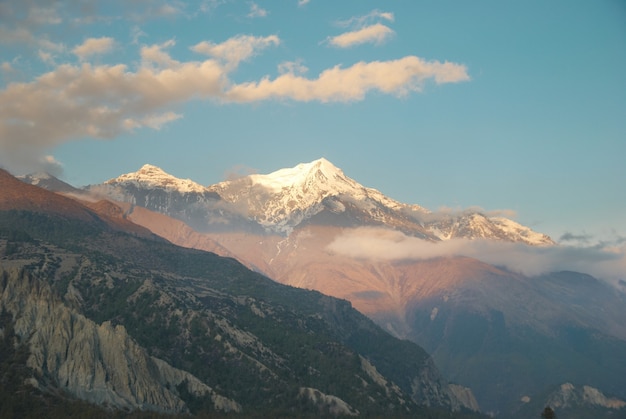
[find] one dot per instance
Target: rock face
(465, 396)
(327, 404)
(97, 363)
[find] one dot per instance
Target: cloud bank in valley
(605, 261)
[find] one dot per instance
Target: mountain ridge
(315, 192)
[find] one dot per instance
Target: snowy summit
(150, 176)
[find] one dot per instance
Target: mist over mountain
(500, 306)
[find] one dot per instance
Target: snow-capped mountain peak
(315, 192)
(150, 176)
(320, 174)
(283, 199)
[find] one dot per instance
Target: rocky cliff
(101, 364)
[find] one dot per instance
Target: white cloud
(168, 10)
(236, 49)
(51, 165)
(360, 21)
(397, 77)
(256, 11)
(292, 67)
(51, 46)
(605, 262)
(94, 46)
(98, 101)
(75, 101)
(303, 2)
(155, 121)
(155, 54)
(377, 33)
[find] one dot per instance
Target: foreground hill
(128, 321)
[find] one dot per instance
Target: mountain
(129, 321)
(47, 181)
(320, 193)
(316, 193)
(183, 199)
(505, 335)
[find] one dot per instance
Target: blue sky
(516, 106)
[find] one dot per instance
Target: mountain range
(310, 193)
(508, 336)
(96, 308)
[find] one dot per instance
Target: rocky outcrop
(101, 364)
(330, 404)
(430, 389)
(569, 396)
(465, 396)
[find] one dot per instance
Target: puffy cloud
(366, 29)
(94, 46)
(603, 261)
(99, 101)
(102, 101)
(51, 165)
(292, 67)
(236, 49)
(155, 54)
(377, 33)
(397, 77)
(303, 2)
(155, 121)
